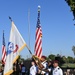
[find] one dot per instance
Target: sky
(56, 21)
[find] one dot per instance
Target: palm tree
(73, 49)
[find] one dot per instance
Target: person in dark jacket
(23, 69)
(50, 67)
(16, 68)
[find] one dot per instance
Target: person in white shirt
(33, 69)
(57, 70)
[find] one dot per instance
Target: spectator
(16, 68)
(33, 69)
(1, 71)
(23, 69)
(50, 67)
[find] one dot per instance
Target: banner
(15, 45)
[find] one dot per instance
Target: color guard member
(57, 70)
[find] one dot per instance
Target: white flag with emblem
(15, 45)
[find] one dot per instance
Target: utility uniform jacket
(57, 71)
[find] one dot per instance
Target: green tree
(71, 3)
(64, 59)
(70, 59)
(21, 59)
(52, 57)
(73, 60)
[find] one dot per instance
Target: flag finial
(10, 18)
(39, 8)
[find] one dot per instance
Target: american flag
(38, 43)
(3, 50)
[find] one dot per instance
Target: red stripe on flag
(38, 43)
(3, 50)
(3, 54)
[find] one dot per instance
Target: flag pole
(39, 11)
(38, 18)
(29, 26)
(38, 37)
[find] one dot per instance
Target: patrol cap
(43, 57)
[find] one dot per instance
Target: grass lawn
(70, 65)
